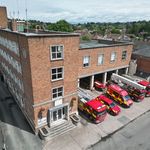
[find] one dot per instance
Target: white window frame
(58, 97)
(86, 61)
(124, 57)
(62, 53)
(113, 56)
(100, 61)
(57, 73)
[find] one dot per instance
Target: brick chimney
(3, 18)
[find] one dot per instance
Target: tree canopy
(61, 25)
(139, 28)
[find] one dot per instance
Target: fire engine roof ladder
(118, 78)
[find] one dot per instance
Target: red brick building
(44, 69)
(142, 57)
(102, 58)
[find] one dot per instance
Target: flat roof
(143, 50)
(90, 44)
(39, 33)
(101, 43)
(49, 33)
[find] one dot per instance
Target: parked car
(112, 107)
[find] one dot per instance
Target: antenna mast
(17, 10)
(26, 14)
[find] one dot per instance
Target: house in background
(141, 54)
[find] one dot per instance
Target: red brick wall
(25, 64)
(143, 63)
(93, 53)
(41, 69)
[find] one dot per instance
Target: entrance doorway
(59, 114)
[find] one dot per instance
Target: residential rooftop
(143, 51)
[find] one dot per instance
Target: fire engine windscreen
(127, 97)
(112, 105)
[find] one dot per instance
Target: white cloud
(82, 10)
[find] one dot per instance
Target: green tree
(86, 37)
(63, 25)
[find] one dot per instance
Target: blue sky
(76, 11)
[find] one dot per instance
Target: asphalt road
(135, 136)
(15, 132)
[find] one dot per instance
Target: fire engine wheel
(90, 117)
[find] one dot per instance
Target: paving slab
(62, 142)
(85, 136)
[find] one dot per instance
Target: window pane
(59, 69)
(59, 55)
(53, 55)
(59, 76)
(59, 49)
(85, 65)
(53, 49)
(59, 94)
(59, 89)
(86, 60)
(54, 95)
(53, 71)
(113, 56)
(54, 76)
(100, 59)
(124, 54)
(54, 90)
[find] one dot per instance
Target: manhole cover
(124, 119)
(126, 134)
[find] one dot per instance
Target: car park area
(97, 132)
(88, 133)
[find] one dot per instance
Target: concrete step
(60, 126)
(58, 130)
(61, 130)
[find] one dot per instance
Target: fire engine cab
(147, 85)
(94, 109)
(119, 95)
(112, 107)
(135, 90)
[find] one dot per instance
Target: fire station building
(43, 70)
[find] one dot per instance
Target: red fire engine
(119, 95)
(147, 85)
(135, 90)
(112, 107)
(99, 85)
(94, 109)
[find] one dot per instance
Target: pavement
(87, 134)
(15, 132)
